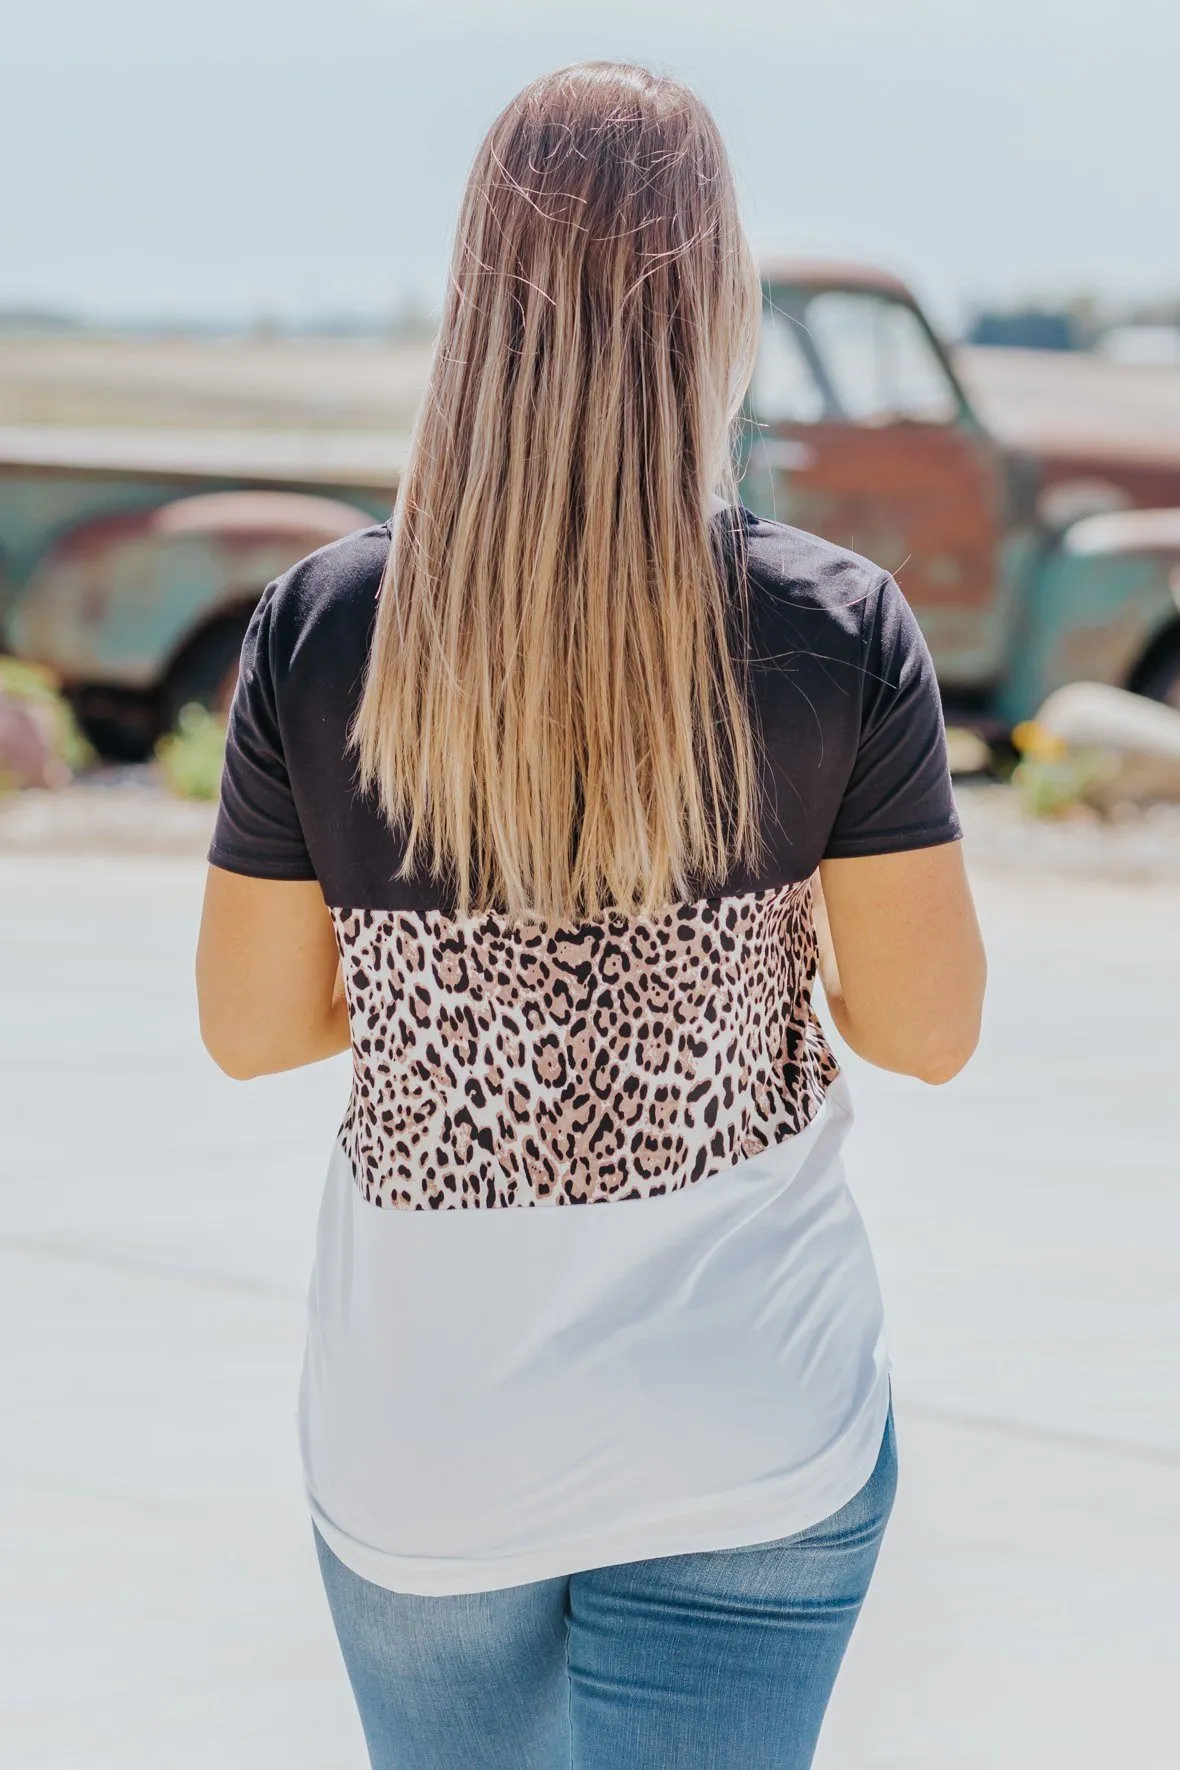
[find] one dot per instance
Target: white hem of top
(833, 1478)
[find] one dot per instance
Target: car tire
(206, 672)
(121, 724)
(1160, 681)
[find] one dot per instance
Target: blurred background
(225, 241)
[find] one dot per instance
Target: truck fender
(1096, 608)
(118, 598)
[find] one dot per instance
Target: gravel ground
(112, 811)
(1142, 848)
(127, 811)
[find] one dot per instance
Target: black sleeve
(898, 795)
(258, 830)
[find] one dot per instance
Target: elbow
(941, 1070)
(238, 1069)
(234, 1064)
(945, 1060)
(232, 1055)
(931, 1054)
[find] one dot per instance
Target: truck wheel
(1160, 681)
(206, 670)
(122, 724)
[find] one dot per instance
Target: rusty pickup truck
(130, 560)
(1027, 567)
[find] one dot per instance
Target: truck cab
(859, 429)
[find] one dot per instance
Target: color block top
(669, 1067)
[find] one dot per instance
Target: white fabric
(502, 1395)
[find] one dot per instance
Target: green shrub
(1051, 778)
(37, 689)
(191, 757)
(1053, 786)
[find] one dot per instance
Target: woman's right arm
(901, 958)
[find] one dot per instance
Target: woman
(525, 799)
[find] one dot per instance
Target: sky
(288, 159)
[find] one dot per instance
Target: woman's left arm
(268, 975)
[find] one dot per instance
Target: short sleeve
(899, 793)
(258, 830)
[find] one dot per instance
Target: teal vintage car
(130, 560)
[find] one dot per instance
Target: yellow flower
(1039, 745)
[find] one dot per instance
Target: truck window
(879, 360)
(784, 388)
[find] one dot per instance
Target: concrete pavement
(160, 1603)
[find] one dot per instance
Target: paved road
(159, 1603)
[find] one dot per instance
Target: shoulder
(813, 609)
(326, 602)
(837, 607)
(798, 579)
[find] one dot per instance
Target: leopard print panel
(505, 1064)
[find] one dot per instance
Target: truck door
(861, 434)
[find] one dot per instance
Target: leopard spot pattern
(499, 1063)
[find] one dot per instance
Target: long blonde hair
(555, 712)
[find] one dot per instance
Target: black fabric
(841, 682)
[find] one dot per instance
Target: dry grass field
(211, 383)
(365, 385)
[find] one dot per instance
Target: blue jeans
(721, 1661)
